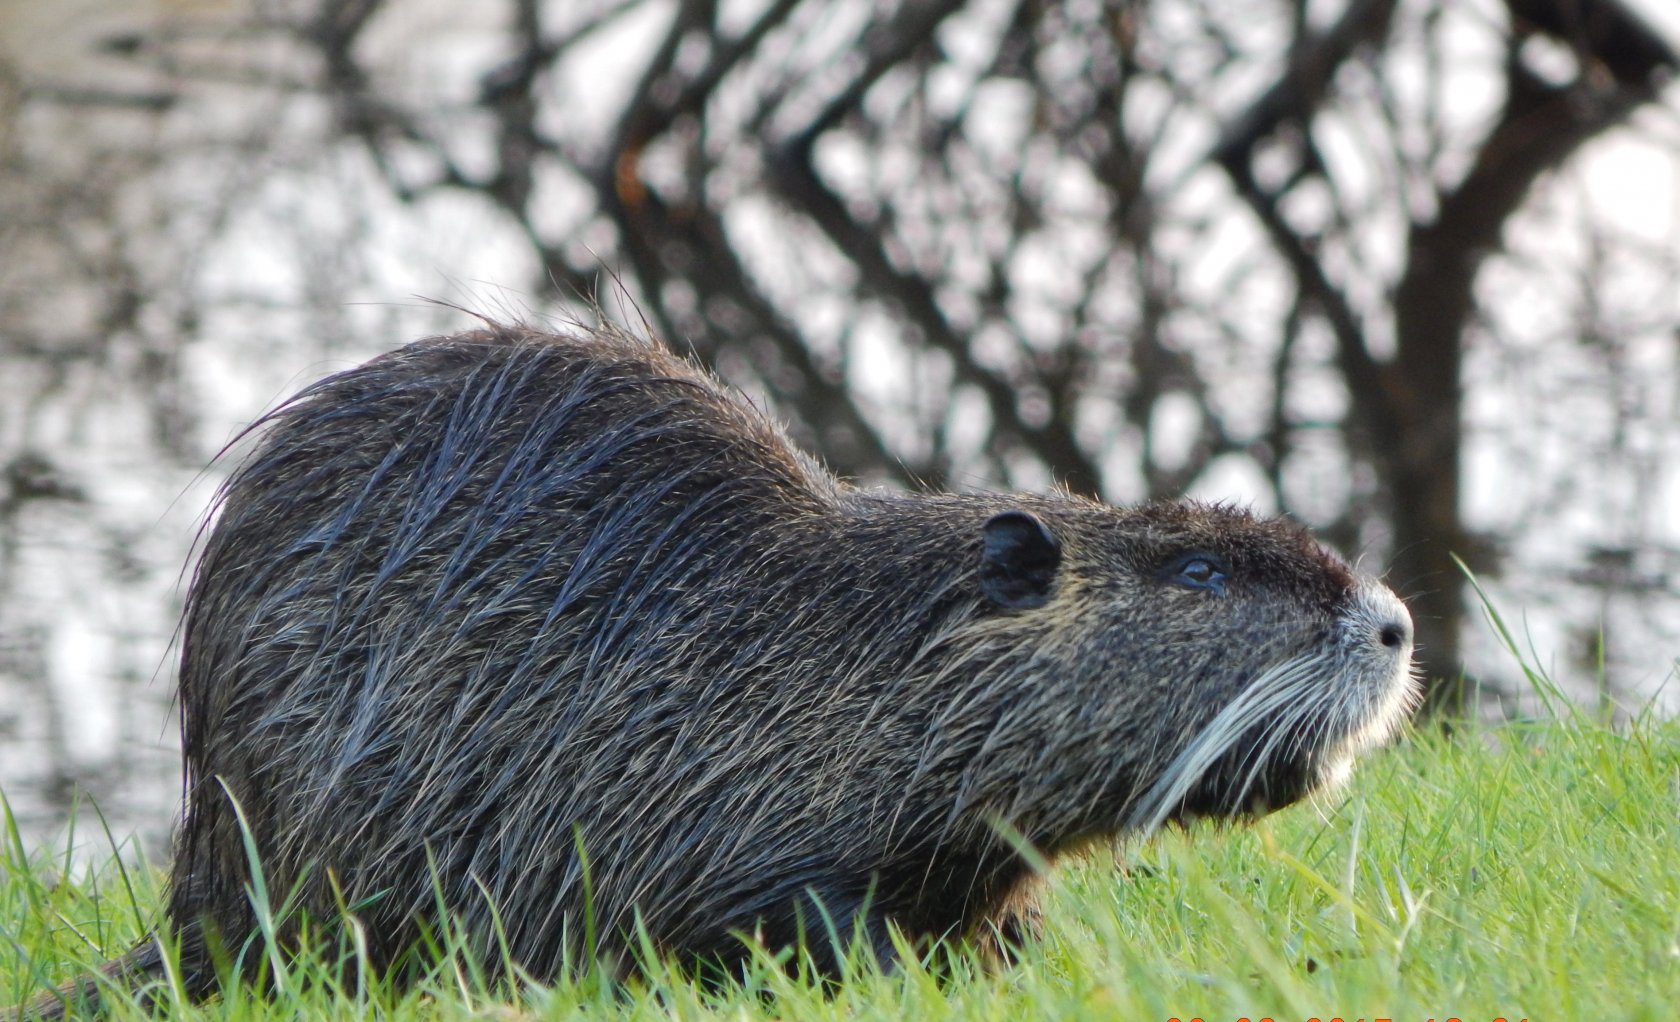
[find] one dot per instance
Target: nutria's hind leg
(996, 940)
(870, 939)
(830, 933)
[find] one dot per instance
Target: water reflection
(65, 791)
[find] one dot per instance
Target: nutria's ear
(1018, 564)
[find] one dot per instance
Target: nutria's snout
(1384, 618)
(1379, 627)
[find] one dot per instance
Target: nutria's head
(1176, 660)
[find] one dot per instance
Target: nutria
(560, 636)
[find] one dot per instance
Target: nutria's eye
(1199, 571)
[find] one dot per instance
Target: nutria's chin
(507, 621)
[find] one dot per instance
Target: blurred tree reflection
(1291, 252)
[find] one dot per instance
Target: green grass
(1522, 871)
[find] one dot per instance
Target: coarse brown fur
(559, 634)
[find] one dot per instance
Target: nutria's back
(508, 618)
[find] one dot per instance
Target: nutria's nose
(1395, 634)
(1380, 615)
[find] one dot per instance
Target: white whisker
(1271, 690)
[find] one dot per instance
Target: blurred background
(1407, 270)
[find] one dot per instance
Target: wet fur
(495, 598)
